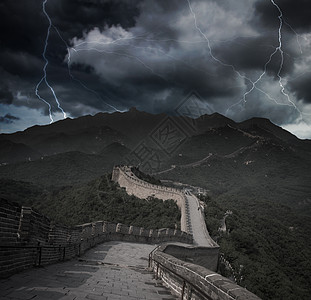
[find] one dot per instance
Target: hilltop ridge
(91, 134)
(254, 168)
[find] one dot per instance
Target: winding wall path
(197, 224)
(192, 217)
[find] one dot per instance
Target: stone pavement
(201, 236)
(112, 270)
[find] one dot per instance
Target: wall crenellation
(26, 235)
(30, 239)
(141, 189)
(192, 281)
(189, 271)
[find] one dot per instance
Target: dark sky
(242, 58)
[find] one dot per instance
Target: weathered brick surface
(59, 235)
(142, 189)
(13, 260)
(120, 274)
(203, 256)
(9, 222)
(22, 227)
(29, 239)
(196, 281)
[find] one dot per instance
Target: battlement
(189, 271)
(28, 238)
(126, 171)
(142, 189)
(192, 281)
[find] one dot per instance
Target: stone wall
(141, 189)
(30, 239)
(203, 256)
(9, 222)
(189, 271)
(191, 281)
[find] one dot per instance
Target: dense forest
(254, 168)
(266, 247)
(100, 199)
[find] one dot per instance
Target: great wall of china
(170, 262)
(185, 261)
(142, 189)
(29, 239)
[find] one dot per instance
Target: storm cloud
(8, 119)
(6, 96)
(111, 55)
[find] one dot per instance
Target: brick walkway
(201, 236)
(113, 270)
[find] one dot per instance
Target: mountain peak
(133, 109)
(267, 128)
(217, 115)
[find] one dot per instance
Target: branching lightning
(297, 35)
(124, 55)
(86, 87)
(44, 77)
(51, 25)
(280, 50)
(209, 45)
(80, 47)
(77, 80)
(253, 86)
(99, 47)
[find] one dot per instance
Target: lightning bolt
(297, 35)
(280, 50)
(83, 46)
(139, 60)
(77, 80)
(77, 48)
(218, 60)
(209, 45)
(154, 49)
(253, 84)
(86, 87)
(44, 77)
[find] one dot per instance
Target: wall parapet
(124, 176)
(128, 172)
(29, 238)
(192, 281)
(207, 257)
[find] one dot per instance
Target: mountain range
(91, 134)
(72, 151)
(254, 168)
